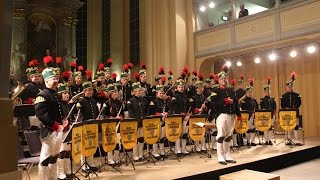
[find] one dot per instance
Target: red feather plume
(194, 72)
(73, 64)
(101, 94)
(101, 66)
(65, 74)
(251, 80)
(58, 60)
(170, 72)
(137, 76)
(47, 60)
(80, 68)
(143, 66)
(114, 76)
(233, 82)
(125, 68)
(31, 64)
(241, 77)
(186, 69)
(109, 61)
(225, 68)
(88, 74)
(211, 76)
(163, 79)
(130, 65)
(269, 80)
(293, 75)
(161, 70)
(200, 76)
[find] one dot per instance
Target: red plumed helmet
(137, 76)
(241, 77)
(65, 74)
(31, 63)
(225, 68)
(269, 80)
(194, 72)
(80, 68)
(88, 74)
(251, 80)
(170, 72)
(161, 71)
(211, 76)
(293, 76)
(101, 66)
(109, 62)
(58, 60)
(186, 69)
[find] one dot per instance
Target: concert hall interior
(159, 89)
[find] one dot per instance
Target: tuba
(16, 100)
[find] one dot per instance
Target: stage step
(249, 174)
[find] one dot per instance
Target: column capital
(19, 13)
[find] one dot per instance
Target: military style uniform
(89, 109)
(251, 105)
(76, 89)
(225, 120)
(138, 109)
(125, 92)
(269, 103)
(148, 91)
(31, 91)
(48, 111)
(240, 93)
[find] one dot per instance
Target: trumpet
(76, 97)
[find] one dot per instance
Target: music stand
(205, 116)
(68, 141)
(170, 151)
(86, 164)
(287, 139)
(110, 120)
(126, 155)
(149, 154)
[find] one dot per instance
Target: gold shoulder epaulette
(39, 99)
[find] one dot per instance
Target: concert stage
(263, 158)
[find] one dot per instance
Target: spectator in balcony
(243, 12)
(229, 18)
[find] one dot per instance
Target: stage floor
(194, 164)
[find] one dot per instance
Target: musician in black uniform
(64, 169)
(76, 88)
(199, 106)
(89, 111)
(107, 70)
(143, 82)
(248, 103)
(138, 108)
(114, 109)
(169, 88)
(181, 105)
(226, 104)
(240, 92)
(48, 110)
(292, 100)
(160, 107)
(268, 103)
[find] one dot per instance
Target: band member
(48, 110)
(226, 104)
(250, 104)
(198, 106)
(268, 103)
(240, 92)
(292, 100)
(138, 109)
(180, 104)
(107, 70)
(64, 168)
(169, 88)
(88, 111)
(234, 135)
(125, 89)
(160, 106)
(157, 82)
(32, 88)
(77, 87)
(192, 87)
(143, 82)
(114, 109)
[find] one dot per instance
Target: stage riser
(265, 165)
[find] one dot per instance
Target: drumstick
(103, 106)
(78, 114)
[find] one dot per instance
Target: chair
(26, 163)
(34, 142)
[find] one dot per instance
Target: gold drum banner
(128, 132)
(288, 120)
(242, 127)
(151, 130)
(89, 139)
(173, 128)
(262, 121)
(109, 136)
(76, 143)
(196, 133)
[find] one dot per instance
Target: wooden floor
(194, 164)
